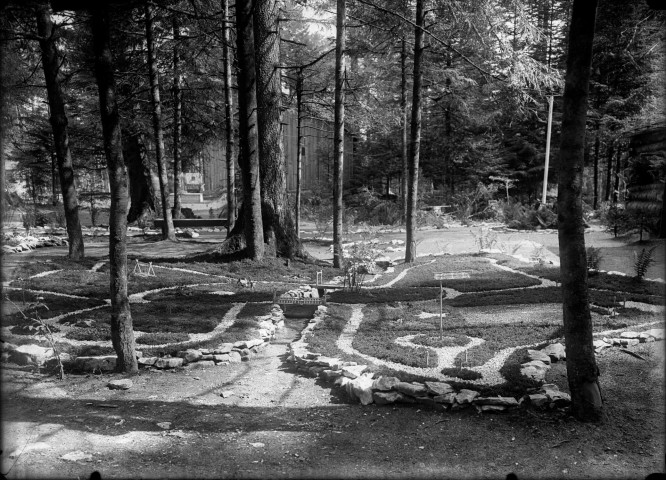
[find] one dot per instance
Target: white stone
(169, 362)
(362, 388)
(501, 401)
(555, 351)
(148, 361)
(412, 389)
(535, 370)
(538, 399)
(466, 396)
(32, 354)
(384, 398)
(76, 456)
(385, 383)
(106, 363)
(657, 333)
(190, 355)
(630, 335)
(539, 355)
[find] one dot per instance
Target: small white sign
(451, 275)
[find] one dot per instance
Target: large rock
(384, 398)
(412, 389)
(254, 343)
(535, 370)
(221, 358)
(448, 398)
(353, 371)
(385, 383)
(500, 401)
(539, 355)
(235, 357)
(329, 375)
(554, 394)
(439, 388)
(630, 335)
(555, 351)
(224, 348)
(147, 361)
(538, 399)
(190, 355)
(362, 389)
(169, 362)
(466, 396)
(328, 362)
(30, 355)
(599, 345)
(122, 384)
(106, 363)
(657, 333)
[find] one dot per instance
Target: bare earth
(276, 423)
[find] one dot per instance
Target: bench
(193, 222)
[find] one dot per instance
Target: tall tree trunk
(247, 129)
(168, 232)
(122, 335)
(609, 169)
(405, 142)
(448, 127)
(339, 132)
(142, 195)
(299, 148)
(54, 178)
(177, 117)
(595, 203)
(582, 370)
(58, 118)
(618, 168)
(229, 120)
(278, 222)
(415, 144)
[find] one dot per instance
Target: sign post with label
(446, 276)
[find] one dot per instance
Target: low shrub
(254, 309)
(98, 332)
(461, 373)
(446, 341)
(384, 295)
(28, 328)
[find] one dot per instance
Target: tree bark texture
(299, 149)
(595, 203)
(248, 136)
(58, 118)
(229, 120)
(339, 132)
(618, 168)
(279, 228)
(582, 370)
(142, 195)
(415, 144)
(177, 117)
(609, 169)
(122, 334)
(405, 141)
(168, 231)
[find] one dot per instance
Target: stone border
(368, 388)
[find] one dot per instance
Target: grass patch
(446, 341)
(199, 295)
(326, 333)
(384, 295)
(50, 263)
(43, 305)
(254, 309)
(98, 332)
(483, 276)
(160, 338)
(28, 328)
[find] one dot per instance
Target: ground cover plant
(483, 275)
(44, 304)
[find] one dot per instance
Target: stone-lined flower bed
(368, 388)
(221, 355)
(24, 243)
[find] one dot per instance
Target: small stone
(164, 425)
(104, 363)
(555, 351)
(209, 357)
(328, 362)
(240, 344)
(539, 356)
(412, 389)
(439, 388)
(123, 384)
(535, 370)
(147, 361)
(554, 394)
(226, 393)
(77, 456)
(466, 396)
(353, 371)
(169, 362)
(254, 342)
(342, 381)
(629, 342)
(221, 358)
(600, 344)
(235, 357)
(31, 354)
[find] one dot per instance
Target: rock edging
(366, 387)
